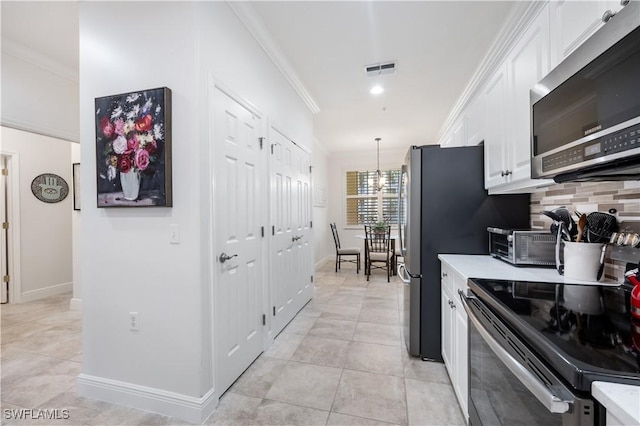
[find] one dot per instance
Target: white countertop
(477, 266)
(622, 401)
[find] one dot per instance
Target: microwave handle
(553, 403)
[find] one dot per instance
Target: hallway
(341, 361)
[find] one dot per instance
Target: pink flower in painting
(106, 126)
(119, 127)
(120, 145)
(133, 143)
(151, 146)
(142, 159)
(124, 163)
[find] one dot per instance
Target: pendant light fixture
(380, 180)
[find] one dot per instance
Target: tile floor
(341, 361)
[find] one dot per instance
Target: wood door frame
(13, 217)
(213, 84)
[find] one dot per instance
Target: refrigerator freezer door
(410, 229)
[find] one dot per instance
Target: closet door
(303, 234)
(290, 248)
(281, 200)
(238, 241)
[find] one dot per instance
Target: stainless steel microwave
(585, 122)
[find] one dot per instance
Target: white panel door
(282, 242)
(291, 234)
(303, 236)
(237, 238)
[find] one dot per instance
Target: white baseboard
(322, 262)
(75, 304)
(179, 406)
(41, 293)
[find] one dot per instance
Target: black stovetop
(584, 332)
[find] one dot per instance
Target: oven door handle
(552, 402)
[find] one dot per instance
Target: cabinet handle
(504, 173)
(444, 274)
(608, 15)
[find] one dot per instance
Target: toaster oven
(522, 247)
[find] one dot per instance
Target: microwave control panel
(612, 143)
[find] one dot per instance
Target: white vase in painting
(130, 182)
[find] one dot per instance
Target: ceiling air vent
(380, 69)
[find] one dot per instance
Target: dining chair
(344, 252)
(378, 250)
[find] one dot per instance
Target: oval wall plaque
(50, 188)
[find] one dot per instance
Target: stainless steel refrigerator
(444, 209)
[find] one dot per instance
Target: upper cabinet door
(527, 63)
(573, 22)
(474, 120)
(496, 122)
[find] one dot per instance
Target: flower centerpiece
(130, 135)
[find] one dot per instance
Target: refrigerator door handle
(404, 279)
(403, 172)
(409, 275)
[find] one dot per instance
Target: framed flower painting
(133, 149)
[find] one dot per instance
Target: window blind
(364, 204)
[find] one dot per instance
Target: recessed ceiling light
(376, 90)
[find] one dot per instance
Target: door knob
(224, 257)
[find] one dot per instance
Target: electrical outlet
(174, 234)
(134, 321)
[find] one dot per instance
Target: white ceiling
(437, 45)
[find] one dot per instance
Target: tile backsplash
(587, 197)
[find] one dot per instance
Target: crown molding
(247, 15)
(33, 127)
(38, 59)
(518, 20)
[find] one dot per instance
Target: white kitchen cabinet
(527, 63)
(447, 327)
(455, 136)
(474, 121)
(508, 109)
(495, 143)
(573, 22)
(455, 346)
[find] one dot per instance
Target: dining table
(393, 237)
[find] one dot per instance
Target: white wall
(323, 241)
(339, 163)
(36, 98)
(127, 261)
(45, 228)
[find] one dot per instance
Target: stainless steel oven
(535, 349)
(509, 385)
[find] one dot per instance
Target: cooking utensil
(600, 226)
(561, 214)
(582, 222)
(601, 268)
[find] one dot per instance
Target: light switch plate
(174, 234)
